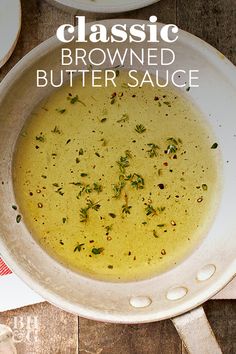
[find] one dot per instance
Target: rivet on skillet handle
(6, 342)
(196, 333)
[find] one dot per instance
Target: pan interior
(119, 183)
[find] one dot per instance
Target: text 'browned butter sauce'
(116, 183)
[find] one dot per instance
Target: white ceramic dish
(10, 24)
(105, 6)
(201, 275)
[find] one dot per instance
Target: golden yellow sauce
(116, 183)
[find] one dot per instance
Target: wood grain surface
(45, 329)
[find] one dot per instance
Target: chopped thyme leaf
(167, 103)
(204, 187)
(75, 99)
(14, 207)
(97, 250)
(140, 128)
(56, 130)
(84, 214)
(214, 146)
(108, 228)
(150, 210)
(61, 110)
(83, 174)
(110, 266)
(160, 225)
(161, 209)
(128, 154)
(64, 220)
(97, 154)
(87, 189)
(155, 234)
(78, 247)
(173, 141)
(40, 138)
(81, 151)
(152, 152)
(18, 218)
(126, 209)
(97, 187)
(171, 149)
(77, 160)
(123, 163)
(104, 142)
(92, 205)
(103, 120)
(124, 118)
(136, 181)
(76, 183)
(112, 215)
(117, 188)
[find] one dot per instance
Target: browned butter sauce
(116, 183)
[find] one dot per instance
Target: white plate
(10, 23)
(105, 6)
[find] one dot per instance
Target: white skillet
(208, 269)
(10, 24)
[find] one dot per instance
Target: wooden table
(43, 328)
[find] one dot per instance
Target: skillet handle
(6, 343)
(196, 333)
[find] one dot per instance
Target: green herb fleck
(14, 207)
(150, 210)
(124, 118)
(97, 187)
(140, 128)
(56, 130)
(126, 209)
(155, 234)
(204, 187)
(78, 247)
(75, 99)
(18, 218)
(171, 149)
(97, 250)
(137, 181)
(40, 138)
(173, 141)
(108, 228)
(117, 188)
(152, 152)
(61, 110)
(123, 163)
(92, 205)
(84, 214)
(214, 146)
